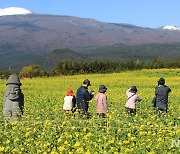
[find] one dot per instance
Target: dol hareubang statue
(14, 99)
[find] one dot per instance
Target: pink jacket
(101, 103)
(133, 98)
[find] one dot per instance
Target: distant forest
(71, 68)
(119, 54)
(90, 67)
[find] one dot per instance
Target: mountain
(135, 52)
(27, 37)
(49, 61)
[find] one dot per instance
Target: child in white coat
(69, 101)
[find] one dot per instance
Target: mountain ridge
(34, 35)
(69, 31)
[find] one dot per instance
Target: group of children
(161, 96)
(100, 99)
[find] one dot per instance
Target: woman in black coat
(161, 99)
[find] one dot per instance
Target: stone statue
(14, 99)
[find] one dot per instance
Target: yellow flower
(129, 134)
(132, 138)
(63, 123)
(119, 130)
(79, 150)
(59, 140)
(37, 143)
(73, 127)
(2, 149)
(54, 152)
(47, 123)
(27, 134)
(16, 139)
(28, 129)
(84, 129)
(142, 133)
(14, 128)
(39, 151)
(89, 134)
(22, 149)
(148, 123)
(77, 144)
(34, 130)
(7, 142)
(128, 150)
(99, 140)
(170, 123)
(112, 140)
(126, 142)
(14, 150)
(120, 143)
(87, 152)
(69, 136)
(160, 140)
(152, 152)
(46, 145)
(85, 137)
(61, 148)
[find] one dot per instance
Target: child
(101, 102)
(69, 102)
(131, 100)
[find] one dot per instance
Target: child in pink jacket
(101, 102)
(132, 98)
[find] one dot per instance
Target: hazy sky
(144, 13)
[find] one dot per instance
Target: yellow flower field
(45, 129)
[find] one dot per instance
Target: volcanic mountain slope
(26, 37)
(44, 33)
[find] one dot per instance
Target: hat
(13, 79)
(70, 92)
(133, 89)
(87, 82)
(102, 89)
(161, 81)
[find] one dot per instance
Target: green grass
(45, 129)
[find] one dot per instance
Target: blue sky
(144, 13)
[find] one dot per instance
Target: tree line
(87, 67)
(71, 68)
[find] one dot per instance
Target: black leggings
(102, 115)
(131, 111)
